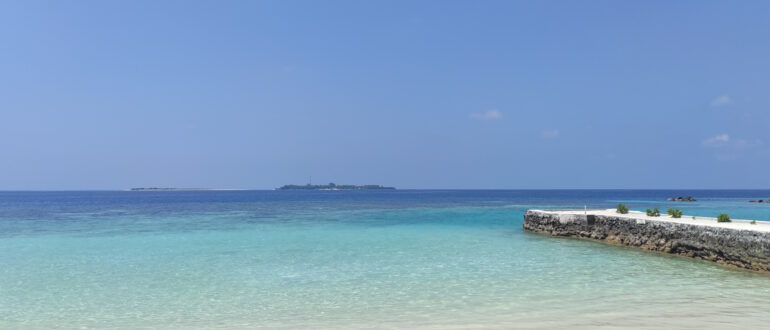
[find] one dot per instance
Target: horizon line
(396, 189)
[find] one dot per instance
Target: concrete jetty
(739, 243)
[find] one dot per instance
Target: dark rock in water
(681, 199)
(754, 201)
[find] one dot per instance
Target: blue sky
(444, 94)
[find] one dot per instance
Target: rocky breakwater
(739, 243)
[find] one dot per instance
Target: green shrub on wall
(674, 213)
(723, 218)
(653, 213)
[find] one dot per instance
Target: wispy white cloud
(550, 133)
(492, 114)
(724, 140)
(747, 144)
(717, 141)
(721, 101)
(726, 148)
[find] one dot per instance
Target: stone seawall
(749, 249)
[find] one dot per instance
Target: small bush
(723, 218)
(622, 209)
(653, 213)
(753, 222)
(693, 217)
(675, 213)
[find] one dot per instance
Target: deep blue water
(64, 205)
(353, 259)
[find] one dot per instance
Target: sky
(411, 94)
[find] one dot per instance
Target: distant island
(167, 189)
(332, 186)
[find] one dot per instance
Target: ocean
(354, 259)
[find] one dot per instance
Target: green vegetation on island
(167, 189)
(622, 209)
(723, 218)
(332, 186)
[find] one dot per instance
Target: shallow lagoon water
(335, 259)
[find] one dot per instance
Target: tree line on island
(333, 186)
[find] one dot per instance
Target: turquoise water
(404, 259)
